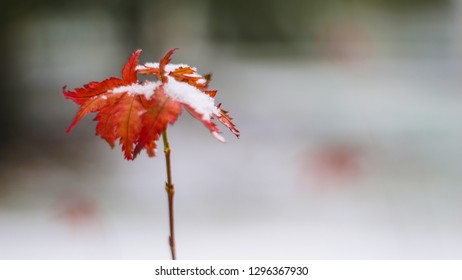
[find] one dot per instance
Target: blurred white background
(349, 112)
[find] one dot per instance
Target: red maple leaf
(136, 113)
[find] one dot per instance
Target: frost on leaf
(136, 113)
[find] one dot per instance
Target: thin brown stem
(170, 192)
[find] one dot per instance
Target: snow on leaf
(148, 69)
(147, 89)
(136, 113)
(184, 93)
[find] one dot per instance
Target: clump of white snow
(147, 89)
(181, 92)
(190, 95)
(147, 66)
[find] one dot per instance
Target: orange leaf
(225, 119)
(147, 70)
(91, 105)
(128, 71)
(185, 74)
(208, 78)
(164, 61)
(211, 93)
(82, 95)
(104, 127)
(160, 111)
(127, 120)
(136, 113)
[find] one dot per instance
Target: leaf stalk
(170, 193)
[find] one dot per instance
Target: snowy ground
(335, 162)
